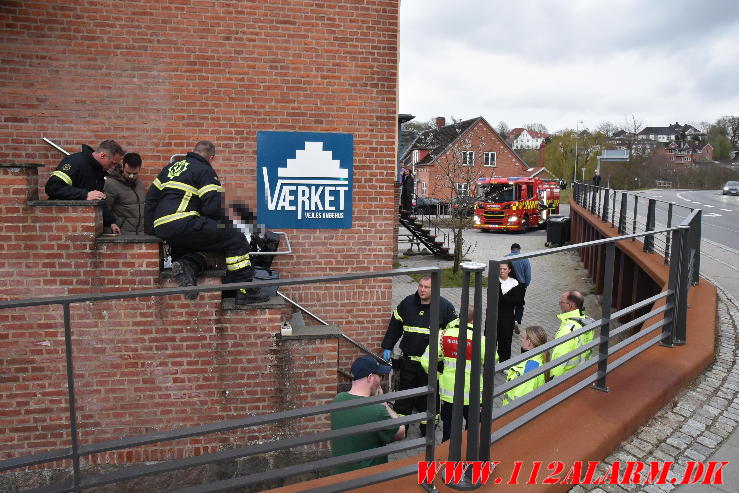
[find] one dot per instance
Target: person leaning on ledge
(81, 176)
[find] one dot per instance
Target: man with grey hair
(81, 176)
(184, 206)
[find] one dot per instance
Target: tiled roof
(405, 141)
(437, 140)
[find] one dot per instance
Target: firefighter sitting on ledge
(184, 207)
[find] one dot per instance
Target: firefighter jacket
(411, 320)
(569, 322)
(516, 371)
(75, 176)
(447, 347)
(126, 201)
(183, 190)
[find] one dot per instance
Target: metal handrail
(683, 248)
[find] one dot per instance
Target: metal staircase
(415, 226)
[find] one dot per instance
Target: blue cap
(367, 365)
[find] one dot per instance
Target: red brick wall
(479, 138)
(158, 77)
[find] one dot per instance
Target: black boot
(184, 274)
(249, 296)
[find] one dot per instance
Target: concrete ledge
(229, 304)
(591, 424)
(313, 332)
(127, 238)
(65, 203)
(21, 165)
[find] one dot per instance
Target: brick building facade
(467, 150)
(157, 77)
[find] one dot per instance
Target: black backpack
(267, 242)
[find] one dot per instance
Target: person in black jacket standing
(411, 321)
(81, 176)
(406, 192)
(184, 206)
(509, 295)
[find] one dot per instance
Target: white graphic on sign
(321, 196)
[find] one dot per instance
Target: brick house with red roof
(471, 148)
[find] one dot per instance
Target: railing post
(673, 284)
(606, 202)
(593, 199)
(669, 233)
(613, 208)
(455, 441)
(433, 383)
(488, 372)
(636, 210)
(605, 328)
(622, 214)
(683, 283)
(74, 436)
(695, 229)
(649, 239)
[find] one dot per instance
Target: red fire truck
(515, 204)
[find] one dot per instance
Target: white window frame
(424, 188)
(462, 189)
(494, 160)
(468, 158)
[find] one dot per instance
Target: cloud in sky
(559, 61)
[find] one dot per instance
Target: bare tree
(458, 171)
(607, 129)
(536, 127)
(502, 129)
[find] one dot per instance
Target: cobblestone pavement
(701, 424)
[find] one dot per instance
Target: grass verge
(450, 280)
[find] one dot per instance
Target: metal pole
(613, 209)
(605, 328)
(433, 383)
(72, 402)
(593, 199)
(649, 239)
(668, 235)
(683, 283)
(473, 435)
(673, 284)
(491, 340)
(636, 206)
(455, 442)
(695, 228)
(606, 203)
(622, 214)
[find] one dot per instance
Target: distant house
(685, 153)
(650, 137)
(471, 143)
(522, 138)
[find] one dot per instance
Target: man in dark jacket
(406, 193)
(411, 321)
(81, 176)
(124, 195)
(184, 206)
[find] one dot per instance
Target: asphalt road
(720, 228)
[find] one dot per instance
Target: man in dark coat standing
(406, 193)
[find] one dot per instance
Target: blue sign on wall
(304, 180)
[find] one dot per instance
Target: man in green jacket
(366, 379)
(572, 318)
(124, 194)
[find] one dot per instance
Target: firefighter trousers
(413, 375)
(203, 234)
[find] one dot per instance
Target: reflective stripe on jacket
(447, 347)
(516, 371)
(571, 321)
(411, 320)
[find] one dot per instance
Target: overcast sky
(560, 61)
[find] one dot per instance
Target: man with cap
(366, 379)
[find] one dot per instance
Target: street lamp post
(574, 169)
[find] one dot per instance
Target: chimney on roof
(440, 121)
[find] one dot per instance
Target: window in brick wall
(490, 159)
(424, 187)
(463, 189)
(468, 158)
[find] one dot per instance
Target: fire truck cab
(515, 203)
